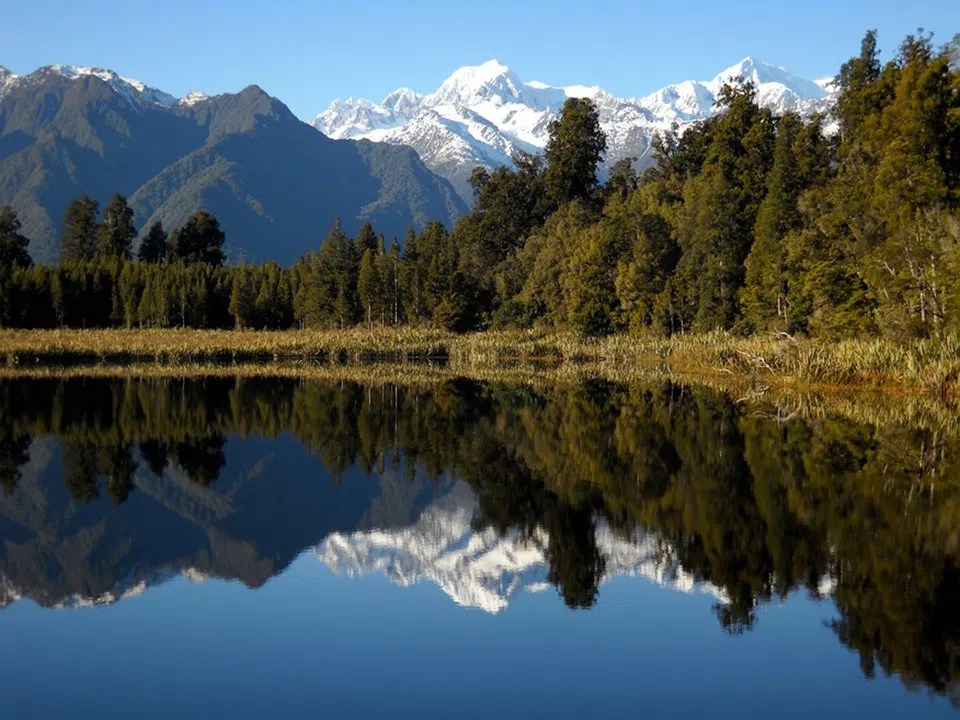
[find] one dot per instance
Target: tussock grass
(187, 345)
(927, 365)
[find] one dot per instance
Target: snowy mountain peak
(485, 72)
(483, 114)
(7, 79)
(193, 97)
(491, 81)
(129, 88)
(769, 78)
(482, 569)
(404, 101)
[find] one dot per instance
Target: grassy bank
(928, 365)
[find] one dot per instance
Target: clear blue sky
(308, 53)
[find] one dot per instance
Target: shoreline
(927, 366)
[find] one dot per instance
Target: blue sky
(310, 53)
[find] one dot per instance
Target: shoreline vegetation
(922, 366)
(757, 251)
(873, 391)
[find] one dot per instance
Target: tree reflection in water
(758, 507)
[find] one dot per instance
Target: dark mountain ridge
(275, 183)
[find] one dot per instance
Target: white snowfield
(483, 114)
(482, 569)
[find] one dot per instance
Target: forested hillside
(274, 182)
(748, 222)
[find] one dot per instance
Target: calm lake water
(287, 548)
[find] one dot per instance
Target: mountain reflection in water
(110, 486)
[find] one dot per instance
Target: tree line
(837, 225)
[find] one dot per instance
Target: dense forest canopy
(836, 226)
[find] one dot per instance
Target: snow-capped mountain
(483, 569)
(7, 80)
(483, 114)
(128, 88)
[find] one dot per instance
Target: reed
(927, 365)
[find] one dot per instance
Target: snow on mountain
(404, 101)
(130, 89)
(192, 98)
(483, 114)
(7, 80)
(482, 569)
(775, 83)
(127, 87)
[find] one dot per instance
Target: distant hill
(275, 183)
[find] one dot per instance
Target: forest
(837, 226)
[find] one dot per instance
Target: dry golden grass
(927, 365)
(183, 345)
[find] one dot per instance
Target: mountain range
(275, 183)
(274, 502)
(483, 569)
(483, 114)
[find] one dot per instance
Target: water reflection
(110, 486)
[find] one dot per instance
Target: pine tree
(343, 263)
(860, 95)
(391, 271)
(79, 230)
(116, 231)
(366, 239)
(13, 245)
(643, 272)
(153, 248)
(623, 178)
(715, 231)
(132, 286)
(763, 300)
(200, 240)
(243, 297)
(412, 276)
(370, 286)
(575, 147)
(328, 294)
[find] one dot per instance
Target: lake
(292, 547)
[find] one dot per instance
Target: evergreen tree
(200, 240)
(328, 295)
(153, 248)
(575, 147)
(79, 230)
(764, 301)
(860, 95)
(116, 231)
(366, 239)
(391, 273)
(370, 286)
(720, 209)
(412, 279)
(623, 178)
(13, 246)
(243, 298)
(643, 271)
